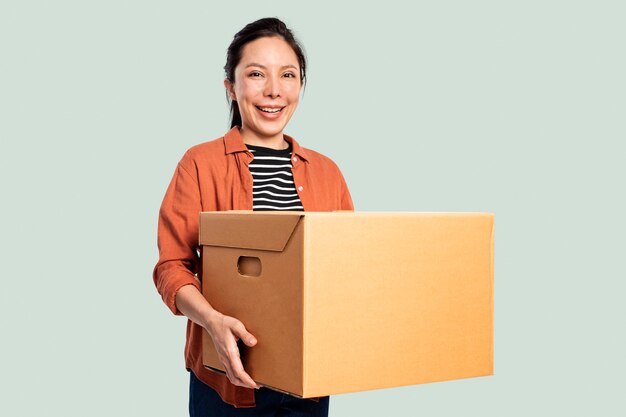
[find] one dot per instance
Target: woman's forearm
(192, 304)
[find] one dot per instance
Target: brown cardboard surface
(261, 231)
(414, 297)
(270, 306)
(354, 301)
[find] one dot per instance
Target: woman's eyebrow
(254, 64)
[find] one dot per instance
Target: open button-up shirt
(214, 176)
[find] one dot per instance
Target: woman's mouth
(270, 110)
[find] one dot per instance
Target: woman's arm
(174, 273)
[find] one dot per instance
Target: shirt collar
(234, 143)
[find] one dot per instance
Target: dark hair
(269, 26)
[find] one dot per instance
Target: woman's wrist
(211, 320)
(192, 304)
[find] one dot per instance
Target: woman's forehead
(269, 51)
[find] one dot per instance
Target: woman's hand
(225, 332)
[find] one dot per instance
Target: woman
(254, 166)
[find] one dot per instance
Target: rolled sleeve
(178, 237)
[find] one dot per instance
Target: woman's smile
(271, 112)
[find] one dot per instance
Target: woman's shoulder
(311, 156)
(212, 147)
(207, 153)
(319, 159)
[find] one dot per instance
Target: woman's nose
(272, 87)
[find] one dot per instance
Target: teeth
(270, 110)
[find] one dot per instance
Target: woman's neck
(273, 142)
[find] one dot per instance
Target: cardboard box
(352, 301)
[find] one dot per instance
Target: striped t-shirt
(273, 187)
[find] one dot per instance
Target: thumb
(245, 335)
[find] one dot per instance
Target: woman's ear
(230, 89)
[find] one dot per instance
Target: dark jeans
(205, 402)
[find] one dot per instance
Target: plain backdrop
(511, 107)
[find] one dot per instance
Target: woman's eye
(255, 74)
(290, 75)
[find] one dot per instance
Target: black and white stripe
(273, 187)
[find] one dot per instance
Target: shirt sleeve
(346, 198)
(177, 238)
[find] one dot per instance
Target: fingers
(234, 368)
(239, 375)
(228, 352)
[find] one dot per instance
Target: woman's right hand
(225, 332)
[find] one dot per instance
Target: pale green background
(516, 108)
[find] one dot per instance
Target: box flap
(248, 230)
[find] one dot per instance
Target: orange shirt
(214, 176)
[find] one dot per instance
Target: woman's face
(267, 87)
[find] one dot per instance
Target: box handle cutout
(249, 266)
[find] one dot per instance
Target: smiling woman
(266, 89)
(254, 166)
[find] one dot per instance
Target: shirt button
(300, 188)
(295, 159)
